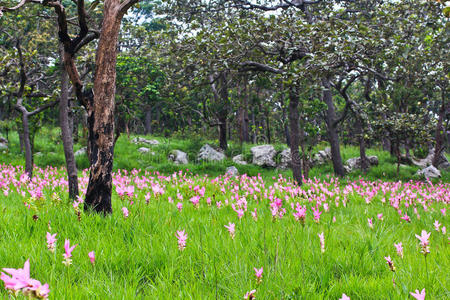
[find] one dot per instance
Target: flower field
(197, 237)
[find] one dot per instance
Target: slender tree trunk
(27, 145)
(223, 133)
(243, 115)
(439, 135)
(101, 113)
(333, 136)
(305, 163)
(362, 146)
(66, 134)
(268, 133)
(148, 121)
(295, 135)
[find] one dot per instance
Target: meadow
(190, 236)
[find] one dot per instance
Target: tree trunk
(283, 119)
(333, 136)
(66, 134)
(295, 135)
(268, 133)
(223, 133)
(148, 121)
(101, 113)
(362, 146)
(243, 115)
(27, 145)
(439, 135)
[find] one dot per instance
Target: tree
(100, 102)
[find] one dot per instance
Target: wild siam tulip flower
(418, 295)
(258, 274)
(20, 281)
(390, 263)
(322, 242)
(316, 214)
(231, 229)
(68, 253)
(180, 206)
(406, 218)
(250, 295)
(424, 242)
(255, 215)
(399, 249)
(300, 213)
(51, 242)
(344, 297)
(92, 257)
(370, 223)
(125, 212)
(444, 230)
(182, 237)
(380, 217)
(437, 225)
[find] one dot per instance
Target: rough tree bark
(101, 112)
(148, 121)
(333, 136)
(295, 135)
(66, 133)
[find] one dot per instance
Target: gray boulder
(145, 150)
(354, 163)
(3, 140)
(232, 171)
(427, 161)
(139, 140)
(322, 157)
(285, 159)
(239, 159)
(3, 146)
(263, 155)
(178, 157)
(81, 152)
(429, 172)
(208, 153)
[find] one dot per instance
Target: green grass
(138, 258)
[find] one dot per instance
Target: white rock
(285, 159)
(144, 150)
(239, 159)
(138, 140)
(429, 172)
(178, 157)
(208, 153)
(3, 146)
(354, 163)
(81, 152)
(263, 155)
(322, 157)
(232, 171)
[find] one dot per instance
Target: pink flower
(390, 263)
(20, 280)
(179, 206)
(399, 249)
(51, 241)
(300, 213)
(250, 295)
(370, 223)
(182, 237)
(125, 212)
(380, 217)
(316, 214)
(344, 297)
(67, 261)
(444, 230)
(255, 215)
(231, 229)
(423, 238)
(418, 295)
(92, 257)
(406, 218)
(322, 242)
(437, 225)
(258, 274)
